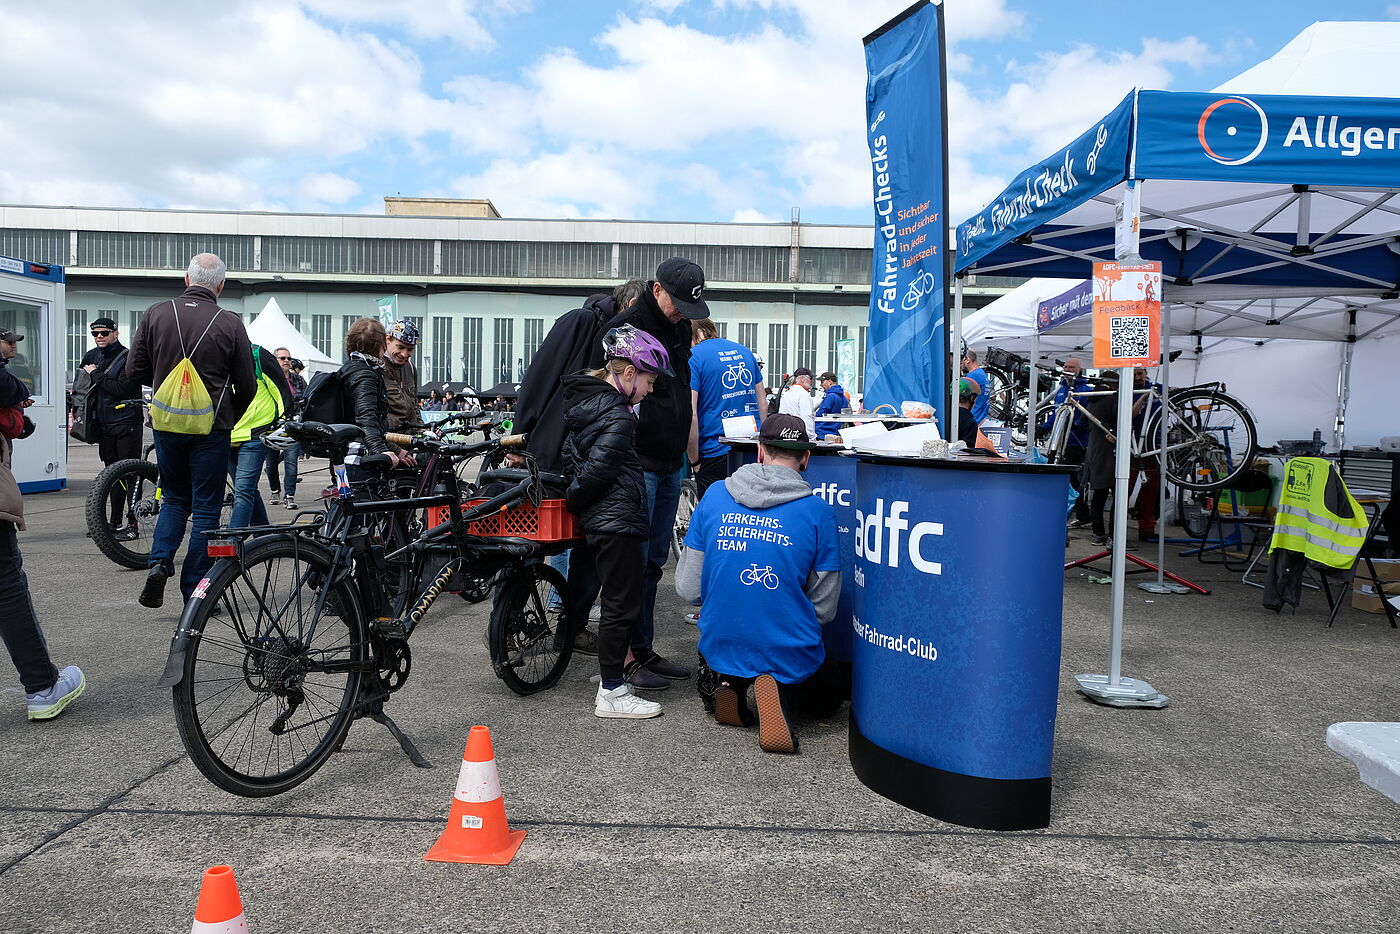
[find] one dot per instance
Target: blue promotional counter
(958, 583)
(832, 475)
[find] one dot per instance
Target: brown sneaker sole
(774, 733)
(727, 706)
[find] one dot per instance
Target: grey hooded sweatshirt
(759, 487)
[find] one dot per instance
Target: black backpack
(324, 401)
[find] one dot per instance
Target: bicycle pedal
(388, 628)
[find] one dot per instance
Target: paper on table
(901, 440)
(856, 432)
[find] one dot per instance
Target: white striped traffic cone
(477, 831)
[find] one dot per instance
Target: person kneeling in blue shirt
(762, 555)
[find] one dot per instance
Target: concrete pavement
(1224, 811)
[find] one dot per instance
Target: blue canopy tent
(1273, 215)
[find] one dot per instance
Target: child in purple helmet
(607, 493)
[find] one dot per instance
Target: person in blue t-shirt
(973, 370)
(762, 553)
(833, 401)
(725, 380)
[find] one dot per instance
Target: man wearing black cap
(119, 431)
(762, 554)
(797, 400)
(664, 310)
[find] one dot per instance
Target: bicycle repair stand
(1143, 566)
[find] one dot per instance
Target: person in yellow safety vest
(1317, 515)
(246, 453)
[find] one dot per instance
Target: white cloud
(1393, 11)
(326, 188)
(584, 180)
(752, 216)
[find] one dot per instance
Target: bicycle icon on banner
(754, 574)
(737, 375)
(919, 286)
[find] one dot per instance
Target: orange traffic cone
(219, 909)
(477, 831)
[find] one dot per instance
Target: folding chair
(1260, 527)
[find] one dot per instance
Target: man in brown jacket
(400, 376)
(192, 467)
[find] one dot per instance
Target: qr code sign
(1129, 336)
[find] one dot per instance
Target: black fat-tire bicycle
(299, 630)
(138, 481)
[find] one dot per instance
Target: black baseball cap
(7, 335)
(684, 281)
(829, 375)
(785, 431)
(801, 371)
(107, 323)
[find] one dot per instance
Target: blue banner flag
(1268, 138)
(907, 120)
(1089, 166)
(1066, 306)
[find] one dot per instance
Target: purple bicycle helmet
(638, 348)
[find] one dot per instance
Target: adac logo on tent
(1233, 130)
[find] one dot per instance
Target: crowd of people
(626, 392)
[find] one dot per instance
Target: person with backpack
(119, 431)
(200, 361)
(607, 492)
(247, 454)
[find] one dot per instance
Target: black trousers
(817, 697)
(18, 625)
(123, 442)
(1100, 503)
(620, 564)
(712, 470)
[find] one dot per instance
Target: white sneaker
(595, 613)
(48, 704)
(621, 704)
(692, 618)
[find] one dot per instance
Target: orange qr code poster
(1127, 314)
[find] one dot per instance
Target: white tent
(271, 329)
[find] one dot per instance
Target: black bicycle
(298, 631)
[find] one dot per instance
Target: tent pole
(1033, 383)
(1339, 427)
(1160, 585)
(950, 430)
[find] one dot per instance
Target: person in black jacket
(664, 311)
(607, 492)
(119, 430)
(363, 396)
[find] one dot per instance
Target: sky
(692, 110)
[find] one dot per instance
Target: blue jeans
(663, 496)
(192, 472)
(560, 563)
(245, 463)
(288, 459)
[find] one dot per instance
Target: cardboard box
(1370, 603)
(1387, 569)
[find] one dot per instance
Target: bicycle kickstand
(405, 743)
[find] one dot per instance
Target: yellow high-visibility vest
(1317, 515)
(266, 407)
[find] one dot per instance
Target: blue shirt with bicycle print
(723, 374)
(756, 618)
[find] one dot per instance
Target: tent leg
(950, 428)
(1031, 386)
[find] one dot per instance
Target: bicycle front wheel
(531, 644)
(685, 508)
(135, 483)
(273, 668)
(1211, 439)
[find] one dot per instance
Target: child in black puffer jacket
(607, 492)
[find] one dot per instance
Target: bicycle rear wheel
(256, 708)
(530, 645)
(685, 508)
(1193, 511)
(137, 483)
(1211, 439)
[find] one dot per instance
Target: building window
(346, 321)
(471, 352)
(834, 333)
(294, 320)
(723, 328)
(860, 360)
(534, 336)
(321, 333)
(440, 369)
(777, 349)
(807, 346)
(36, 246)
(505, 342)
(77, 337)
(748, 336)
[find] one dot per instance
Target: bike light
(222, 548)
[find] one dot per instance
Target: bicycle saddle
(321, 433)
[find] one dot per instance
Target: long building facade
(483, 290)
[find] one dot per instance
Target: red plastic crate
(551, 522)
